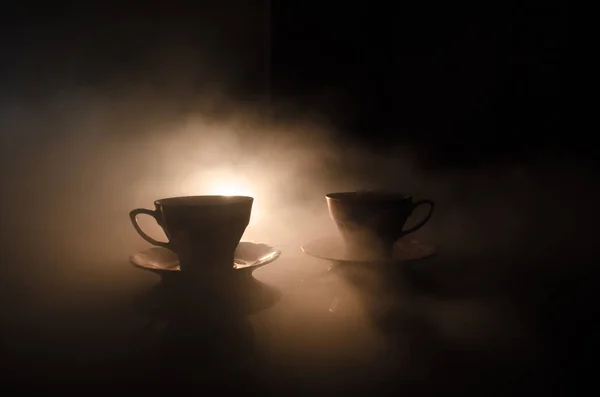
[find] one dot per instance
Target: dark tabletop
(500, 309)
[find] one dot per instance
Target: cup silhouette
(370, 223)
(203, 231)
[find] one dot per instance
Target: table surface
(452, 323)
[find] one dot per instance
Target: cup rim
(203, 200)
(375, 194)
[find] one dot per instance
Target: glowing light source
(228, 187)
(230, 184)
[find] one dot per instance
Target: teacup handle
(424, 221)
(133, 216)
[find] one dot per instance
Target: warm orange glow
(229, 187)
(230, 184)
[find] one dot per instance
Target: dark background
(473, 81)
(468, 83)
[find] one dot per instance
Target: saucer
(248, 256)
(333, 249)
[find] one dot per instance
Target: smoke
(74, 163)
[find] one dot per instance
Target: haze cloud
(76, 159)
(74, 166)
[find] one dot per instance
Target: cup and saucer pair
(375, 254)
(207, 225)
(372, 230)
(201, 229)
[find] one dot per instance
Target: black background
(469, 83)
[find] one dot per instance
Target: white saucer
(248, 255)
(333, 249)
